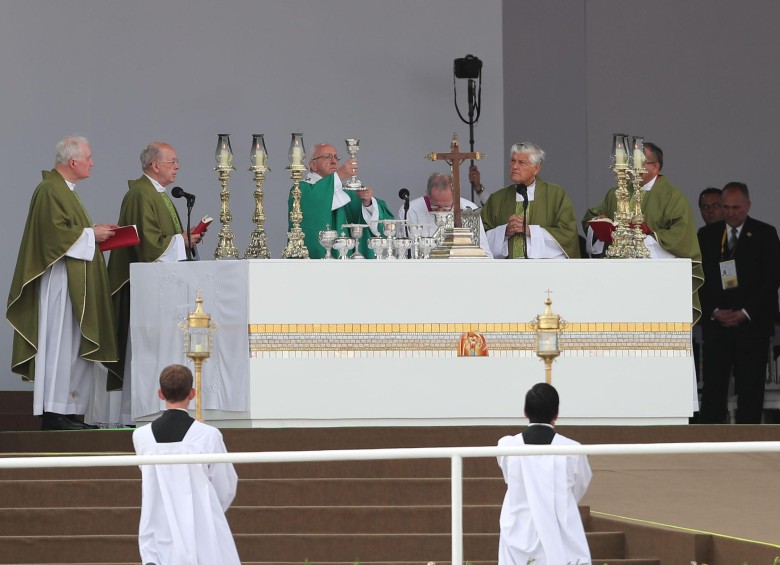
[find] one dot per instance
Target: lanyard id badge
(728, 274)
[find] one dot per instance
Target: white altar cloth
(161, 296)
(334, 343)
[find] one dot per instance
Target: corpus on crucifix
(455, 158)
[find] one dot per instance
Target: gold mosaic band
(663, 338)
(464, 327)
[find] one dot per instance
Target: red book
(124, 236)
(204, 223)
(603, 228)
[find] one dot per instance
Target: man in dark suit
(741, 260)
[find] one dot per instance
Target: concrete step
(78, 521)
(606, 545)
(275, 548)
(260, 492)
(407, 468)
(278, 548)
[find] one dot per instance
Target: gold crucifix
(455, 158)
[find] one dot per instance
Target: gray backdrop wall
(126, 73)
(697, 77)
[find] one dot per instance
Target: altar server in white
(183, 506)
(438, 197)
(540, 521)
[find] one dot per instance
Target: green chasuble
(316, 204)
(144, 207)
(668, 214)
(55, 222)
(551, 209)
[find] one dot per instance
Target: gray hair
(535, 153)
(315, 148)
(438, 180)
(68, 148)
(151, 153)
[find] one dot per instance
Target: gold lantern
(198, 330)
(547, 327)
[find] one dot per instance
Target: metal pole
(457, 509)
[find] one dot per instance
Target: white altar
(374, 343)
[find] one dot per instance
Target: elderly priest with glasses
(325, 202)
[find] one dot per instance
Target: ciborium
(327, 238)
(224, 156)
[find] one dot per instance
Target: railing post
(457, 509)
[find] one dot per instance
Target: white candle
(620, 156)
(198, 348)
(297, 156)
(639, 158)
(224, 158)
(260, 158)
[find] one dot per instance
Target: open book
(124, 236)
(602, 228)
(204, 223)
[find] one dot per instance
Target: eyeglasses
(651, 162)
(173, 161)
(714, 206)
(328, 157)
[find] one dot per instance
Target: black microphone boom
(178, 192)
(404, 195)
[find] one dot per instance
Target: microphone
(178, 192)
(404, 194)
(522, 190)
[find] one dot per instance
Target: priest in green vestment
(59, 303)
(147, 206)
(324, 202)
(669, 226)
(550, 224)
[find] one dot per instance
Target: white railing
(455, 454)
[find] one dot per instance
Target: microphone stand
(475, 105)
(190, 204)
(472, 107)
(525, 208)
(522, 190)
